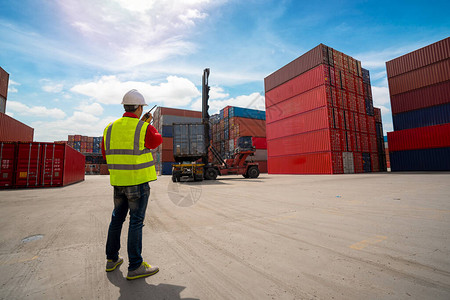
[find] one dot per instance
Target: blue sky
(71, 61)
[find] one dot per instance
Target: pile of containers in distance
(39, 165)
(163, 120)
(419, 87)
(4, 79)
(320, 116)
(85, 144)
(234, 122)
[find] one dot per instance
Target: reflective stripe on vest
(128, 166)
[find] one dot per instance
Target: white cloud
(35, 111)
(11, 86)
(136, 32)
(175, 91)
(254, 101)
(381, 98)
(217, 93)
(52, 88)
(94, 108)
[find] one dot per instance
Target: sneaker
(112, 265)
(144, 270)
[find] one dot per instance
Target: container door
(52, 164)
(349, 166)
(28, 164)
(7, 161)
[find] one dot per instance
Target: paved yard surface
(365, 236)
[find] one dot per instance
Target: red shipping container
(359, 86)
(4, 79)
(167, 156)
(425, 97)
(357, 141)
(373, 143)
(313, 163)
(309, 121)
(377, 114)
(167, 144)
(357, 127)
(301, 103)
(342, 120)
(309, 60)
(371, 125)
(357, 161)
(12, 130)
(309, 142)
(344, 100)
(77, 138)
(362, 123)
(296, 86)
(71, 138)
(419, 78)
(422, 57)
(352, 102)
(48, 164)
(338, 163)
(365, 147)
(375, 163)
(437, 136)
(336, 140)
(249, 127)
(347, 119)
(161, 111)
(360, 104)
(259, 142)
(29, 164)
(7, 162)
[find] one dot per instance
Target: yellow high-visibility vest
(129, 162)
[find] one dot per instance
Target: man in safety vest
(126, 147)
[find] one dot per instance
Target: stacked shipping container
(163, 120)
(419, 87)
(234, 122)
(4, 79)
(12, 130)
(320, 116)
(39, 165)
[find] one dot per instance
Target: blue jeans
(135, 199)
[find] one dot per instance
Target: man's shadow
(140, 289)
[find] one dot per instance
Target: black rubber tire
(245, 175)
(174, 178)
(210, 174)
(253, 172)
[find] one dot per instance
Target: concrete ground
(364, 236)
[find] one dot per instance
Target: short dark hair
(130, 108)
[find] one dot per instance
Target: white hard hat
(133, 97)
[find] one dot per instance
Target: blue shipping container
(167, 131)
(246, 113)
(437, 159)
(367, 167)
(166, 168)
(365, 75)
(429, 116)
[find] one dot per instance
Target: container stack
(419, 87)
(90, 147)
(320, 116)
(163, 120)
(235, 122)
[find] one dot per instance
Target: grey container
(188, 142)
(169, 120)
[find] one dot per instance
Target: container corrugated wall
(422, 57)
(419, 85)
(40, 165)
(12, 130)
(4, 79)
(321, 119)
